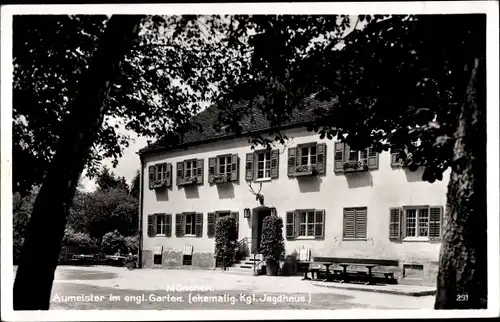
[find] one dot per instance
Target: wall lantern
(246, 213)
(273, 211)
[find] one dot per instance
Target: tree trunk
(462, 278)
(40, 254)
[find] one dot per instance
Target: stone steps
(244, 266)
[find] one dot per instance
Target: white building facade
(333, 200)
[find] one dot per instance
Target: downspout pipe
(141, 216)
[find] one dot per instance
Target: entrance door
(259, 214)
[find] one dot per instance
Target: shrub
(113, 242)
(272, 245)
(225, 241)
(132, 244)
(82, 240)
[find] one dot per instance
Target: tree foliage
(135, 186)
(106, 179)
(99, 212)
(175, 67)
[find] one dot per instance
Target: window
(223, 168)
(308, 155)
(189, 224)
(355, 223)
(190, 172)
(262, 165)
(417, 222)
(355, 155)
(307, 159)
(160, 225)
(305, 223)
(190, 169)
(224, 165)
(350, 160)
(160, 175)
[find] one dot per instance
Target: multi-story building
(334, 200)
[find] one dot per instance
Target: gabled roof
(204, 131)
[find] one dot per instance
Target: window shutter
(275, 163)
(349, 226)
(436, 222)
(199, 224)
(292, 161)
(236, 216)
(361, 222)
(211, 169)
(339, 157)
(249, 166)
(395, 160)
(151, 176)
(290, 225)
(211, 224)
(372, 158)
(180, 172)
(395, 223)
(199, 171)
(179, 229)
(321, 157)
(168, 175)
(151, 225)
(168, 225)
(319, 227)
(234, 167)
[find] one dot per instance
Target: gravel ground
(116, 288)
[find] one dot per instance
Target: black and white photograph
(250, 161)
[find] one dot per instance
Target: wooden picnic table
(326, 264)
(368, 266)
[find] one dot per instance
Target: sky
(128, 164)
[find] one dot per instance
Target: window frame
(267, 161)
(158, 224)
(297, 214)
(308, 146)
(163, 167)
(358, 155)
(417, 236)
(227, 165)
(194, 167)
(192, 224)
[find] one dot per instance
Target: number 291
(462, 297)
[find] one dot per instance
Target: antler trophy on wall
(258, 196)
